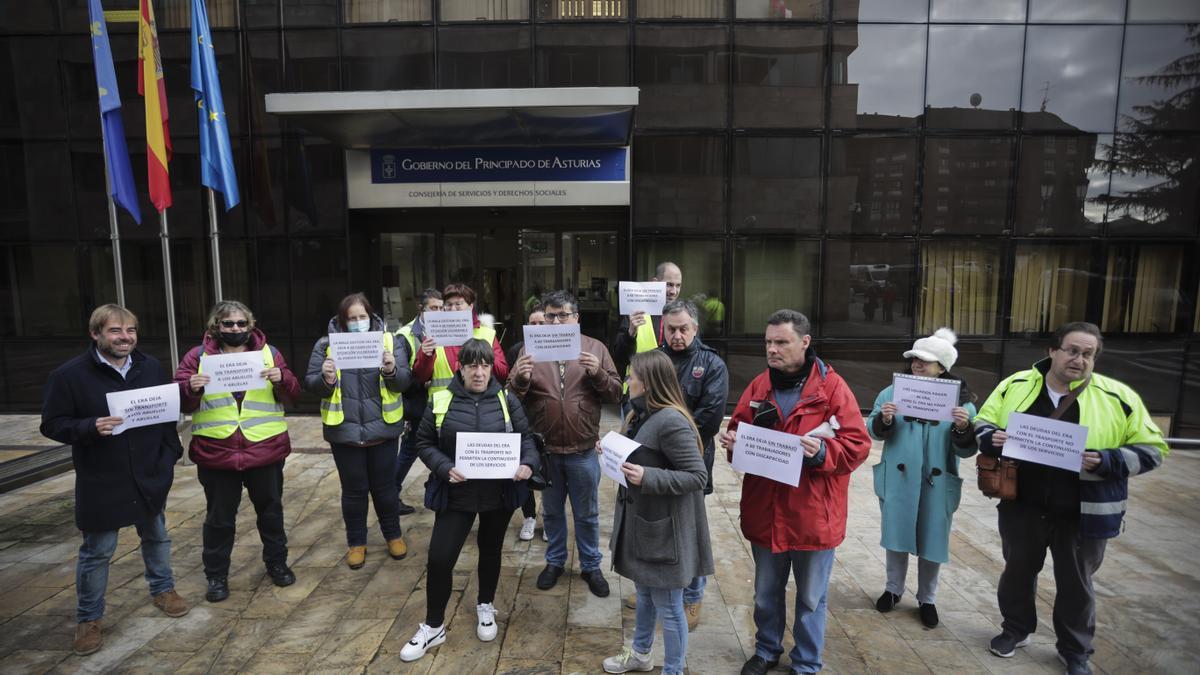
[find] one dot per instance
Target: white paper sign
(553, 342)
(927, 398)
(487, 455)
(642, 296)
(617, 449)
(356, 350)
(768, 453)
(239, 371)
(145, 406)
(1045, 441)
(447, 328)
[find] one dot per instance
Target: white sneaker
(628, 660)
(426, 638)
(527, 529)
(545, 537)
(486, 630)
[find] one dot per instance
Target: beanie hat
(937, 347)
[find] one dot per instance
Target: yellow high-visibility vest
(646, 341)
(442, 374)
(260, 416)
(393, 403)
(441, 404)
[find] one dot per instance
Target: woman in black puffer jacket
(474, 402)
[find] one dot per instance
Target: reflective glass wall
(887, 166)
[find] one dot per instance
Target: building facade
(886, 166)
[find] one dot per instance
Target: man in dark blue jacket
(704, 380)
(121, 479)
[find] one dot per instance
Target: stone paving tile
(338, 620)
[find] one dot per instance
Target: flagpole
(172, 338)
(113, 233)
(215, 238)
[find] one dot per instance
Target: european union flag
(116, 155)
(216, 155)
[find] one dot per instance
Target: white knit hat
(937, 347)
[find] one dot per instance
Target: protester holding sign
(362, 416)
(1072, 513)
(436, 365)
(641, 332)
(474, 403)
(409, 337)
(660, 534)
(537, 317)
(795, 529)
(239, 438)
(120, 480)
(917, 478)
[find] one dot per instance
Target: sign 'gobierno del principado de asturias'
(539, 176)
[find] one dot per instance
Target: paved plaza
(334, 619)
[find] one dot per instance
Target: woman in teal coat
(917, 480)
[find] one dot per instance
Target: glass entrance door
(582, 262)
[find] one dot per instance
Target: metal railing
(1183, 443)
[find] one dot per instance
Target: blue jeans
(578, 477)
(694, 592)
(811, 570)
(407, 456)
(667, 603)
(91, 572)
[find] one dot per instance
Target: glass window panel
(878, 76)
(679, 184)
(145, 293)
(484, 57)
(177, 14)
(776, 184)
(969, 60)
(238, 274)
(1164, 10)
(777, 10)
(261, 13)
(867, 288)
(79, 85)
(1070, 11)
(582, 56)
(385, 11)
(460, 258)
(966, 185)
(1049, 286)
(778, 76)
(309, 12)
(880, 10)
(1159, 78)
(582, 9)
(318, 283)
(771, 274)
(1071, 77)
(1153, 185)
(311, 61)
(29, 17)
(31, 103)
(1187, 420)
(37, 358)
(264, 194)
(14, 203)
(32, 307)
(265, 77)
(681, 9)
(1142, 288)
(408, 269)
(273, 274)
(387, 58)
(960, 287)
(977, 10)
(1062, 185)
(872, 185)
(483, 10)
(41, 202)
(683, 75)
(316, 186)
(700, 261)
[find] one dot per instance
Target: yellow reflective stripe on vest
(392, 404)
(259, 417)
(646, 341)
(441, 405)
(406, 332)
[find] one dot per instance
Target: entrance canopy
(448, 118)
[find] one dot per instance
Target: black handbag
(540, 480)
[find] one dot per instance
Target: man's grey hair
(662, 268)
(561, 298)
(676, 306)
(800, 323)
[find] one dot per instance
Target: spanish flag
(158, 137)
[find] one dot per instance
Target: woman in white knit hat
(917, 479)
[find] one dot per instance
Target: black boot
(218, 589)
(887, 602)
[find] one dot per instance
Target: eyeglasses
(241, 323)
(553, 317)
(1073, 354)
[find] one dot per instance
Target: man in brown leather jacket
(563, 402)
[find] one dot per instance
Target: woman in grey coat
(361, 418)
(660, 531)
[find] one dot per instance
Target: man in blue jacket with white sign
(1072, 514)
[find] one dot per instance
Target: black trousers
(450, 530)
(529, 508)
(223, 491)
(1025, 534)
(368, 473)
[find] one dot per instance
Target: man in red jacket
(796, 529)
